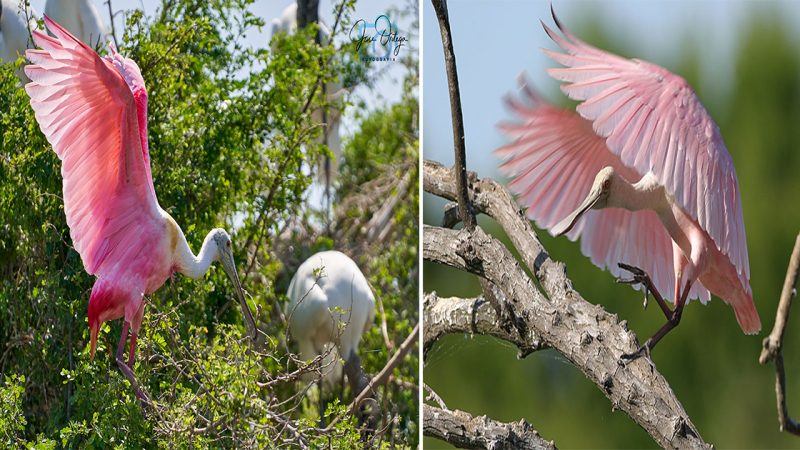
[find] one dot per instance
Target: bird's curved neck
(646, 193)
(190, 265)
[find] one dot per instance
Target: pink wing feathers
(553, 161)
(93, 111)
(654, 122)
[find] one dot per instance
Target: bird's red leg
(125, 369)
(123, 337)
(639, 276)
(132, 350)
(672, 322)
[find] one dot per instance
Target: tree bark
(589, 337)
(463, 430)
(443, 316)
(459, 146)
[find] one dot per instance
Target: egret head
(597, 199)
(225, 257)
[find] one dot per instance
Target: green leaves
(231, 141)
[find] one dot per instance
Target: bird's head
(597, 199)
(224, 255)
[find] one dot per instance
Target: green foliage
(231, 139)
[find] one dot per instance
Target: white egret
(330, 307)
(79, 17)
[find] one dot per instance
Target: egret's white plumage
(330, 121)
(14, 35)
(79, 17)
(330, 303)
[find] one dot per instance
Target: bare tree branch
(462, 430)
(773, 344)
(443, 316)
(467, 215)
(587, 335)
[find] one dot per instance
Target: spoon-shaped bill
(565, 225)
(226, 259)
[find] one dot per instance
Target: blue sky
(494, 41)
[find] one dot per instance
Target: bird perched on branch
(93, 111)
(640, 174)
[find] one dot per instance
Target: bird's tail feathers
(746, 314)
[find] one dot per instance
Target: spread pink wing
(654, 122)
(93, 112)
(553, 160)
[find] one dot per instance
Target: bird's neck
(190, 265)
(646, 193)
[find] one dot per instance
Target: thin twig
(773, 344)
(434, 397)
(113, 28)
(383, 375)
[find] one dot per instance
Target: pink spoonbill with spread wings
(663, 198)
(93, 111)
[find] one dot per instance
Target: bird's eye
(606, 185)
(228, 244)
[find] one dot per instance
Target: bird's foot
(638, 276)
(644, 350)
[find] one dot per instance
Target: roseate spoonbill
(331, 119)
(331, 304)
(662, 189)
(93, 111)
(14, 35)
(79, 17)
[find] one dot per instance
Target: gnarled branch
(443, 316)
(463, 430)
(589, 337)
